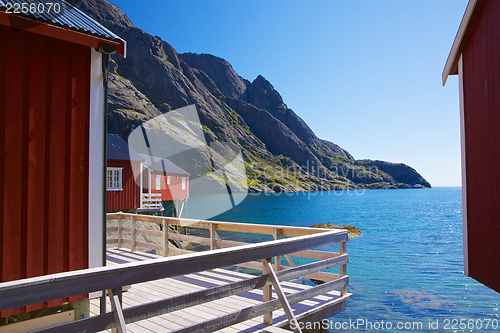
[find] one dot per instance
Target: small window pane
(114, 179)
(158, 183)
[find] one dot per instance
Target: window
(183, 183)
(158, 183)
(168, 180)
(114, 179)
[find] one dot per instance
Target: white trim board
(450, 67)
(96, 177)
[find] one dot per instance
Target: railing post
(277, 260)
(268, 269)
(116, 307)
(343, 268)
(165, 238)
(213, 232)
(120, 226)
(134, 234)
(267, 295)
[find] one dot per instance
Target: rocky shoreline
(291, 189)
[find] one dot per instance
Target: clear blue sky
(364, 74)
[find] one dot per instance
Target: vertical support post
(267, 295)
(134, 234)
(186, 206)
(281, 295)
(116, 307)
(165, 238)
(213, 238)
(277, 260)
(102, 302)
(343, 268)
(181, 209)
(120, 229)
(149, 182)
(141, 184)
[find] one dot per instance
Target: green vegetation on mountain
(280, 151)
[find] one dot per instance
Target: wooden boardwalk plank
(165, 288)
(160, 323)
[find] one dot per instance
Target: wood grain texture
(116, 309)
(29, 291)
(269, 271)
(39, 323)
(44, 154)
(481, 102)
(129, 196)
(187, 305)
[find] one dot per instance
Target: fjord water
(406, 267)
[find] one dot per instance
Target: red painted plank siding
(13, 241)
(173, 191)
(481, 82)
(36, 166)
(44, 123)
(78, 175)
(57, 161)
(3, 94)
(129, 196)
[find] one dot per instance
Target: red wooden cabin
(475, 57)
(140, 183)
(123, 189)
(167, 179)
(51, 143)
(168, 183)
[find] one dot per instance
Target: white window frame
(168, 180)
(183, 183)
(158, 182)
(115, 186)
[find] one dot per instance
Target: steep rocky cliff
(280, 151)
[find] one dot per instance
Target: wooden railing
(213, 240)
(298, 243)
(151, 201)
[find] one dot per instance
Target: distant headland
(281, 152)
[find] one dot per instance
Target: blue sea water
(407, 267)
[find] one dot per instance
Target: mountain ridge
(281, 152)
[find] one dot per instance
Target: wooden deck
(187, 291)
(151, 291)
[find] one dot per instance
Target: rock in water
(352, 230)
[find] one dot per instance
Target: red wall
(44, 120)
(481, 82)
(173, 191)
(129, 196)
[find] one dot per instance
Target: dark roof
(68, 16)
(118, 149)
(163, 165)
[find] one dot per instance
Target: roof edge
(60, 32)
(451, 66)
(170, 173)
(159, 159)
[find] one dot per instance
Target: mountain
(280, 151)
